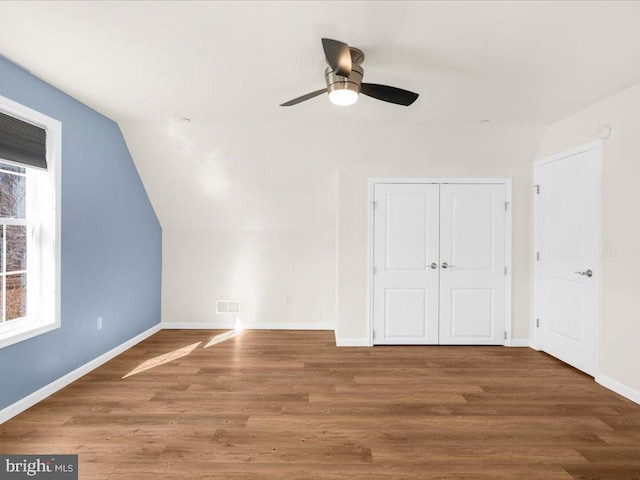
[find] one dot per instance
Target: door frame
(458, 181)
(596, 146)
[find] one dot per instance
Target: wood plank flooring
(290, 405)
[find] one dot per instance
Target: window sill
(23, 330)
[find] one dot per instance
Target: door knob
(446, 265)
(588, 273)
(433, 266)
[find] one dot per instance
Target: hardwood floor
(289, 404)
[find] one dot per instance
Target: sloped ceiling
(511, 62)
(245, 163)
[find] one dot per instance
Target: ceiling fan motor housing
(338, 82)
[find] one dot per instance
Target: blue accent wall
(111, 244)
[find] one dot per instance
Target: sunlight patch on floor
(238, 329)
(163, 359)
(223, 337)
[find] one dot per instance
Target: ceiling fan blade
(308, 96)
(338, 56)
(389, 94)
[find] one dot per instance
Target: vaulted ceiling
(244, 163)
(511, 62)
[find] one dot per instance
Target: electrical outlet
(287, 300)
(99, 323)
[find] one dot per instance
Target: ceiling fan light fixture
(344, 91)
(343, 97)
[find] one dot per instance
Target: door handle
(433, 266)
(446, 265)
(588, 273)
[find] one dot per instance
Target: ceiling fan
(344, 79)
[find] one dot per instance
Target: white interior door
(405, 281)
(472, 262)
(567, 232)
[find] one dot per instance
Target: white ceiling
(511, 62)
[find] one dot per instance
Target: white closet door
(472, 261)
(567, 233)
(405, 282)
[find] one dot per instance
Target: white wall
(263, 211)
(248, 213)
(620, 342)
(258, 267)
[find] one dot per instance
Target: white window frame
(43, 311)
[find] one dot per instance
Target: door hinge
(375, 270)
(374, 204)
(505, 334)
(537, 256)
(537, 187)
(505, 270)
(374, 334)
(506, 206)
(537, 323)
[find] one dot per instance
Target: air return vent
(227, 306)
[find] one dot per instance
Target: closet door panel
(472, 264)
(405, 284)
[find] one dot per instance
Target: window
(29, 223)
(13, 243)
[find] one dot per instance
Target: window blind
(22, 142)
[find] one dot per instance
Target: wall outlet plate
(99, 323)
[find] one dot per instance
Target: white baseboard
(619, 388)
(39, 395)
(288, 326)
(352, 342)
(364, 342)
(196, 326)
(250, 326)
